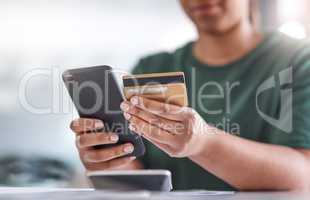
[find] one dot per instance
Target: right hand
(88, 135)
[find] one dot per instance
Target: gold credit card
(169, 87)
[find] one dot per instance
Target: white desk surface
(89, 194)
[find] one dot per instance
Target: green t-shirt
(246, 101)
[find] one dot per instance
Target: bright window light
(294, 29)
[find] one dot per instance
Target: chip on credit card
(169, 87)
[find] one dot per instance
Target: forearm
(244, 164)
(249, 165)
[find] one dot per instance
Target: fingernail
(87, 158)
(134, 100)
(124, 107)
(128, 149)
(78, 138)
(132, 158)
(98, 124)
(131, 127)
(114, 138)
(127, 116)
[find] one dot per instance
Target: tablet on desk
(152, 180)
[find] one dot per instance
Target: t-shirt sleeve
(138, 68)
(301, 100)
(296, 132)
(156, 63)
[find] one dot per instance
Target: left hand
(178, 131)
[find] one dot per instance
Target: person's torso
(230, 97)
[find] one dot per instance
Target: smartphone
(97, 95)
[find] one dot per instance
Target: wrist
(205, 142)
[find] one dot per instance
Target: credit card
(169, 87)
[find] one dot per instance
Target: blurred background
(47, 37)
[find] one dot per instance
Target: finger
(143, 128)
(85, 125)
(163, 123)
(167, 111)
(107, 154)
(90, 140)
(113, 164)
